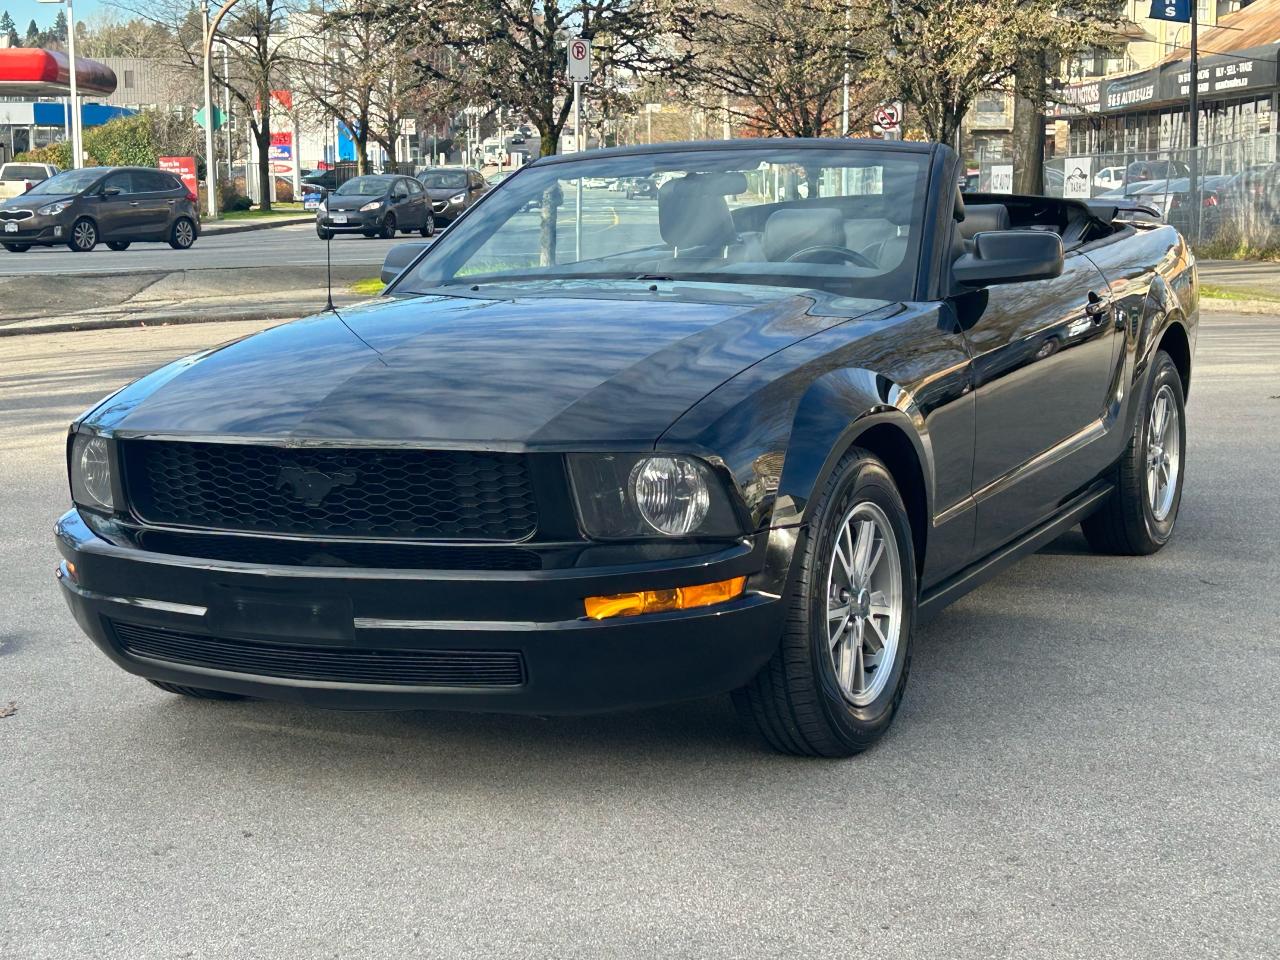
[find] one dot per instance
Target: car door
(116, 210)
(154, 203)
(1044, 355)
(476, 187)
(402, 203)
(417, 202)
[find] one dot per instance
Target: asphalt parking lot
(1085, 764)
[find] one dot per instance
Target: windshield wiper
(652, 276)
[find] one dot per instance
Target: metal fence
(1236, 190)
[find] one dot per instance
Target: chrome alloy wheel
(184, 234)
(85, 235)
(1164, 452)
(864, 603)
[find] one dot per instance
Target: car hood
(526, 372)
(350, 202)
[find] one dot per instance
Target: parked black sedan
(585, 462)
(115, 205)
(376, 206)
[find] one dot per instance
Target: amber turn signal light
(658, 601)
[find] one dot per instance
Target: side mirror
(1009, 256)
(111, 191)
(399, 257)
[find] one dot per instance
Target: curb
(218, 228)
(1240, 306)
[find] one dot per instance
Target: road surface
(1085, 765)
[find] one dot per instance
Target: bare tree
(512, 52)
(257, 40)
(779, 65)
(940, 54)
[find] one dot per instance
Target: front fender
(835, 410)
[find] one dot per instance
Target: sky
(24, 11)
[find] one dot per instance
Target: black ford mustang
(586, 454)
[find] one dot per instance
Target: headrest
(981, 217)
(692, 212)
(789, 231)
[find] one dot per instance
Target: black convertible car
(581, 457)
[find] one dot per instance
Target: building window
(128, 79)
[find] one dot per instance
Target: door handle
(133, 203)
(1097, 308)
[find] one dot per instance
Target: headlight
(53, 209)
(458, 199)
(639, 495)
(370, 206)
(91, 472)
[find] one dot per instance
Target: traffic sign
(218, 119)
(579, 60)
(887, 118)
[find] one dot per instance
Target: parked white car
(1108, 178)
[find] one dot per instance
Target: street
(295, 245)
(1085, 762)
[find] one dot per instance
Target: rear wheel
(17, 247)
(835, 683)
(84, 235)
(1138, 518)
(182, 234)
(197, 693)
(118, 244)
(388, 227)
(429, 227)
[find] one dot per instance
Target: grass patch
(369, 286)
(1215, 291)
(277, 210)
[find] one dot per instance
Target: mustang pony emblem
(312, 486)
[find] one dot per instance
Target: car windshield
(69, 181)
(845, 219)
(365, 187)
(444, 179)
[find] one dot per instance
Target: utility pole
(210, 158)
(1193, 106)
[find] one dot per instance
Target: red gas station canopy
(46, 73)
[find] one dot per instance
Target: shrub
(59, 154)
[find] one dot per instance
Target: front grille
(439, 206)
(403, 494)
(414, 668)
(304, 553)
(16, 214)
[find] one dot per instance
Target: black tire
(429, 227)
(197, 693)
(84, 236)
(323, 234)
(118, 244)
(795, 702)
(182, 234)
(1127, 523)
(17, 247)
(388, 229)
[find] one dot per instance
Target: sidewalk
(220, 227)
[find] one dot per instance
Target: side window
(399, 191)
(477, 181)
(122, 181)
(414, 186)
(153, 182)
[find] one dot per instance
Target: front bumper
(35, 230)
(568, 664)
(356, 222)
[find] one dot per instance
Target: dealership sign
(1077, 177)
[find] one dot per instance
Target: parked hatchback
(376, 206)
(111, 205)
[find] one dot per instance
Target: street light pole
(210, 159)
(1193, 106)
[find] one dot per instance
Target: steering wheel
(843, 253)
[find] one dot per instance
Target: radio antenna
(328, 270)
